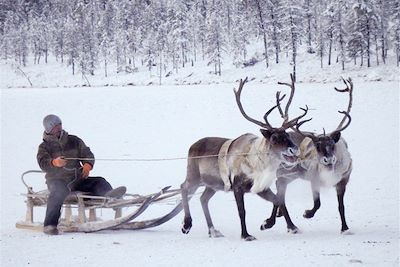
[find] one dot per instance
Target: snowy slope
(162, 122)
(56, 74)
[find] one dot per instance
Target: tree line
(167, 35)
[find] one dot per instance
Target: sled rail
(84, 202)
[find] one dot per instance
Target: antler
(285, 115)
(278, 105)
(346, 115)
(349, 88)
(238, 93)
(310, 135)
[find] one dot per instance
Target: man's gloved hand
(86, 169)
(59, 162)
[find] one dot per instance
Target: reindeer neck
(260, 155)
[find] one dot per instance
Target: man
(67, 162)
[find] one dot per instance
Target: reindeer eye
(274, 139)
(318, 145)
(277, 139)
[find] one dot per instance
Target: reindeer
(324, 160)
(245, 164)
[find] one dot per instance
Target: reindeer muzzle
(291, 155)
(328, 162)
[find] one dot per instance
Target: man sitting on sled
(67, 162)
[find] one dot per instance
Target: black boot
(118, 192)
(50, 230)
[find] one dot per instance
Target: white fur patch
(329, 178)
(262, 180)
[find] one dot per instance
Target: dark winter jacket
(68, 146)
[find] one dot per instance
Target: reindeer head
(325, 144)
(280, 144)
(325, 147)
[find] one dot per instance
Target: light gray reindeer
(324, 160)
(247, 163)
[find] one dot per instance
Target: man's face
(56, 131)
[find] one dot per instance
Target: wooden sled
(87, 205)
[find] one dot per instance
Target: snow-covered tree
(169, 34)
(339, 34)
(58, 17)
(395, 29)
(106, 33)
(382, 7)
(40, 35)
(261, 14)
(121, 35)
(275, 18)
(15, 36)
(310, 21)
(179, 28)
(240, 33)
(293, 29)
(364, 28)
(323, 33)
(215, 38)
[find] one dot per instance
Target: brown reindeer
(245, 164)
(324, 161)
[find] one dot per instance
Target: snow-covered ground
(128, 122)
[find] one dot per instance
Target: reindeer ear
(266, 133)
(335, 136)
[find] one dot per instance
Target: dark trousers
(59, 190)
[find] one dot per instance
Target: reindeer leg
(239, 196)
(270, 222)
(281, 185)
(341, 189)
(279, 205)
(187, 189)
(205, 197)
(317, 202)
(269, 196)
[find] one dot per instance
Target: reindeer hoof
(268, 223)
(308, 214)
(249, 238)
(187, 225)
(213, 233)
(294, 230)
(185, 231)
(346, 232)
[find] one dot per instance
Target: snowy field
(162, 122)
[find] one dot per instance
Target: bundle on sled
(86, 205)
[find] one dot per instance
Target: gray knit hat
(50, 121)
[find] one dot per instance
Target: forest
(167, 35)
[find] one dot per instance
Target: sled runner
(88, 204)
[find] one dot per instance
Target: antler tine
(278, 103)
(278, 99)
(292, 89)
(346, 116)
(295, 121)
(312, 136)
(349, 88)
(301, 123)
(348, 83)
(238, 93)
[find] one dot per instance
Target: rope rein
(167, 159)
